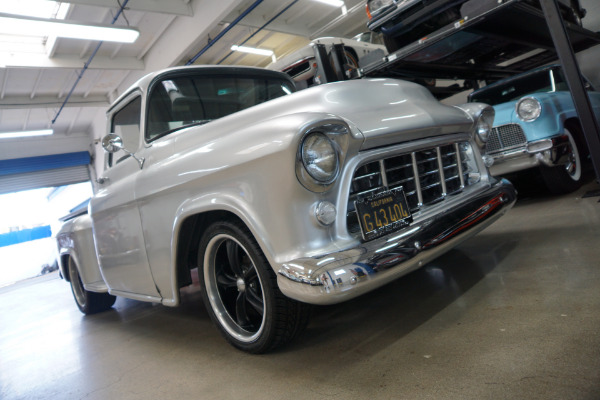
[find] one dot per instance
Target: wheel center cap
(241, 285)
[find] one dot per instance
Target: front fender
(75, 240)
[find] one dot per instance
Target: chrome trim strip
(384, 180)
(441, 171)
(417, 179)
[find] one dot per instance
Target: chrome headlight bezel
(484, 124)
(483, 117)
(528, 109)
(320, 170)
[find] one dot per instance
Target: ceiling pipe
(87, 64)
(261, 28)
(224, 31)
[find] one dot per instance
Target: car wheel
(240, 291)
(565, 178)
(88, 302)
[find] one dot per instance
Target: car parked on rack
(302, 64)
(404, 21)
(536, 125)
(278, 199)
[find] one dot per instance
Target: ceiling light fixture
(43, 132)
(29, 26)
(335, 3)
(252, 50)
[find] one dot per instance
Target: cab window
(193, 100)
(126, 124)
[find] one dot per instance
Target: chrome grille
(505, 137)
(427, 177)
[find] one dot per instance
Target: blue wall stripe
(26, 235)
(43, 163)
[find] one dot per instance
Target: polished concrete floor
(514, 313)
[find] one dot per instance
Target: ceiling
(37, 78)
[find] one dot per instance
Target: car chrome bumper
(336, 277)
(546, 152)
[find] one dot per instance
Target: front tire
(240, 291)
(87, 302)
(566, 178)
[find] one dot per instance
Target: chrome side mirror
(113, 143)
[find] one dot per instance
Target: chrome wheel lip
(573, 165)
(226, 320)
(76, 284)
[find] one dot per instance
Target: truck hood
(385, 111)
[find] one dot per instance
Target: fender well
(64, 266)
(190, 232)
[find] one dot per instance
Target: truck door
(116, 219)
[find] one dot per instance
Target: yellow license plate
(383, 213)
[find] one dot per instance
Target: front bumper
(336, 277)
(545, 152)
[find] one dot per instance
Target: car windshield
(542, 81)
(183, 101)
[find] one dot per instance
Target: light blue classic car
(536, 125)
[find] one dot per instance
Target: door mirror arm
(113, 143)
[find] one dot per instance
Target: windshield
(542, 81)
(190, 100)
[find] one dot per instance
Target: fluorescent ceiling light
(43, 132)
(29, 26)
(335, 3)
(252, 50)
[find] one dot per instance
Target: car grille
(427, 176)
(505, 137)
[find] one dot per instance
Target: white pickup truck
(279, 199)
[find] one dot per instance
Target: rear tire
(87, 302)
(566, 178)
(240, 291)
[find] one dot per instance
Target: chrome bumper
(336, 277)
(545, 152)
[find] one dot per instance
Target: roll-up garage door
(44, 171)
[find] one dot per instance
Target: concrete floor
(514, 313)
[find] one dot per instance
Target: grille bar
(413, 155)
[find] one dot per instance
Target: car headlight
(528, 109)
(320, 157)
(484, 124)
(483, 115)
(375, 6)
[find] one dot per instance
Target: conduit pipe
(261, 28)
(87, 64)
(224, 31)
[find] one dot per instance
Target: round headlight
(320, 157)
(529, 109)
(484, 124)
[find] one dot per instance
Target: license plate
(383, 213)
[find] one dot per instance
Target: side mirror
(112, 143)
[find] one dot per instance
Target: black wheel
(88, 302)
(240, 291)
(566, 178)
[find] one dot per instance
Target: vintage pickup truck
(278, 199)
